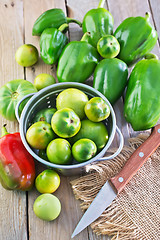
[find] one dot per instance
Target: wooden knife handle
(137, 159)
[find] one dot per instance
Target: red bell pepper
(17, 168)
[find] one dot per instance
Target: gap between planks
(154, 22)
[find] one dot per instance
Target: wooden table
(17, 219)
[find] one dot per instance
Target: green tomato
(65, 123)
(26, 55)
(47, 207)
(47, 181)
(11, 93)
(97, 132)
(44, 115)
(43, 80)
(72, 98)
(84, 149)
(108, 46)
(96, 109)
(39, 135)
(59, 151)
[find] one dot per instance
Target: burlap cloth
(135, 213)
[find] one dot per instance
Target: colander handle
(19, 103)
(121, 143)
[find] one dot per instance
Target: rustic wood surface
(17, 219)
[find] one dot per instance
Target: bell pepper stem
(85, 37)
(147, 16)
(4, 130)
(101, 4)
(63, 28)
(151, 56)
(72, 20)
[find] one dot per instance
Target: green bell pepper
(11, 93)
(52, 41)
(142, 101)
(51, 18)
(98, 22)
(136, 37)
(110, 78)
(77, 61)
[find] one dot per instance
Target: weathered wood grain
(12, 204)
(61, 228)
(16, 21)
(30, 16)
(76, 33)
(155, 10)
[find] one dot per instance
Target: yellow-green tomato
(72, 98)
(39, 135)
(65, 123)
(59, 151)
(43, 80)
(95, 131)
(26, 55)
(96, 109)
(84, 149)
(44, 115)
(47, 207)
(47, 181)
(108, 46)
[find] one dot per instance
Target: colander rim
(54, 86)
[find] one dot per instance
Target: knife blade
(116, 184)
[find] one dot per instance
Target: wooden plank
(63, 227)
(30, 16)
(155, 9)
(11, 39)
(76, 33)
(13, 204)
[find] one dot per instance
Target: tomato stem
(85, 37)
(72, 20)
(150, 56)
(147, 16)
(101, 3)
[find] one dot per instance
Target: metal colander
(46, 98)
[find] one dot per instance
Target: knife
(116, 184)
